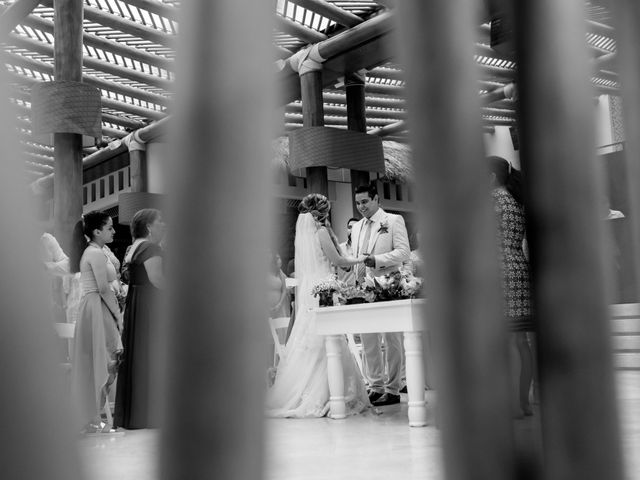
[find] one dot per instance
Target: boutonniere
(384, 227)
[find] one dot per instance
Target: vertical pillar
(357, 121)
(214, 421)
(137, 165)
(313, 116)
(457, 225)
(627, 19)
(38, 400)
(566, 238)
(67, 179)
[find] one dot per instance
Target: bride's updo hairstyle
(317, 205)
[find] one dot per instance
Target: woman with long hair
(97, 346)
(301, 387)
(516, 286)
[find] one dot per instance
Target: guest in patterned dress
(516, 288)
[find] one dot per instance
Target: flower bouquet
(329, 291)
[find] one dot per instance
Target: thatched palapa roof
(397, 159)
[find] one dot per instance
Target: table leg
(335, 376)
(415, 379)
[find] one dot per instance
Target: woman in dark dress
(516, 285)
(137, 379)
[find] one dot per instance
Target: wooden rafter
(15, 13)
(106, 45)
(302, 32)
(93, 63)
(152, 6)
(330, 11)
(128, 26)
(39, 66)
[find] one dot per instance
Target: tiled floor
(367, 446)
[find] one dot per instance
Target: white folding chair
(66, 331)
(276, 324)
(356, 350)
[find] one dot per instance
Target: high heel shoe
(526, 409)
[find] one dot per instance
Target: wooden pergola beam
(123, 122)
(371, 101)
(153, 6)
(338, 120)
(14, 14)
(124, 25)
(386, 73)
(392, 128)
(93, 63)
(298, 30)
(107, 45)
(106, 102)
(32, 163)
(382, 89)
(341, 110)
(39, 157)
(330, 11)
(136, 93)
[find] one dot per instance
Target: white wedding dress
(301, 387)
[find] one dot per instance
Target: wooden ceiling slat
(106, 102)
(15, 59)
(93, 63)
(39, 23)
(127, 26)
(298, 30)
(160, 9)
(14, 14)
(330, 11)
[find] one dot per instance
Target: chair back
(275, 324)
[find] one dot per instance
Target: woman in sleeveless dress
(97, 345)
(136, 403)
(301, 387)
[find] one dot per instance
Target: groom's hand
(370, 261)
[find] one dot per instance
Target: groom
(383, 238)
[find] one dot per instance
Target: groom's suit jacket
(388, 242)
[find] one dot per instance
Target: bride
(301, 387)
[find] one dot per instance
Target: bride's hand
(360, 258)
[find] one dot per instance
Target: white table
(394, 316)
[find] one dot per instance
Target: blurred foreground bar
(437, 40)
(218, 221)
(565, 230)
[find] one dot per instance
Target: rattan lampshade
(332, 147)
(66, 107)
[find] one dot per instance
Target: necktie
(364, 246)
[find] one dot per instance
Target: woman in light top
(97, 346)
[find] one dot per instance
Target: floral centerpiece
(394, 286)
(397, 285)
(328, 290)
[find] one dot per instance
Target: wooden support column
(357, 121)
(138, 165)
(313, 116)
(457, 225)
(627, 19)
(67, 183)
(566, 233)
